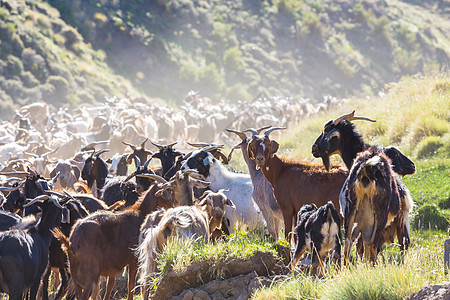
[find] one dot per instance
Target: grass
(394, 277)
(179, 254)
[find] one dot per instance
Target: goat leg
(64, 284)
(132, 272)
(45, 278)
(109, 286)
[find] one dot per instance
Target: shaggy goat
(197, 221)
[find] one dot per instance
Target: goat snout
(260, 160)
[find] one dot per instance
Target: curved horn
(68, 195)
(211, 148)
(198, 145)
(350, 117)
(241, 134)
(172, 144)
(38, 198)
(101, 152)
(14, 173)
(267, 132)
(154, 177)
(56, 194)
(147, 162)
(143, 143)
(56, 203)
(157, 145)
(50, 152)
(130, 176)
(263, 128)
(129, 144)
(252, 130)
(31, 154)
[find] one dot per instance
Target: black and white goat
(239, 187)
(318, 231)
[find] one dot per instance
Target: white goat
(239, 187)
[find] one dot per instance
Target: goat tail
(146, 254)
(116, 205)
(81, 187)
(65, 242)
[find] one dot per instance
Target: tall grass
(394, 276)
(411, 110)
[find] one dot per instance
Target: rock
(201, 295)
(213, 286)
(189, 295)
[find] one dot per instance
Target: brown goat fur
(295, 183)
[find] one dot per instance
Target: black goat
(57, 257)
(24, 253)
(168, 156)
(340, 136)
(95, 170)
(32, 186)
(119, 189)
(318, 231)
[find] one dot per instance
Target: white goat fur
(240, 191)
(184, 222)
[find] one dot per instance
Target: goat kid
(318, 231)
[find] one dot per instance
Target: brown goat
(295, 183)
(102, 244)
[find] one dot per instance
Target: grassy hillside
(414, 116)
(67, 52)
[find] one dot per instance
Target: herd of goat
(86, 217)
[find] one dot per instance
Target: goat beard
(326, 162)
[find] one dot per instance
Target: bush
(72, 36)
(232, 59)
(238, 92)
(429, 216)
(14, 66)
(29, 80)
(428, 147)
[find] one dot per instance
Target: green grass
(393, 277)
(179, 254)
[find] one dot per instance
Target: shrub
(238, 92)
(14, 66)
(72, 36)
(429, 216)
(29, 80)
(232, 59)
(210, 78)
(382, 30)
(429, 146)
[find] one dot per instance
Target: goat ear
(76, 172)
(53, 173)
(273, 147)
(109, 161)
(230, 203)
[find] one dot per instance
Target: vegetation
(236, 49)
(411, 101)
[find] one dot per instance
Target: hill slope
(233, 49)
